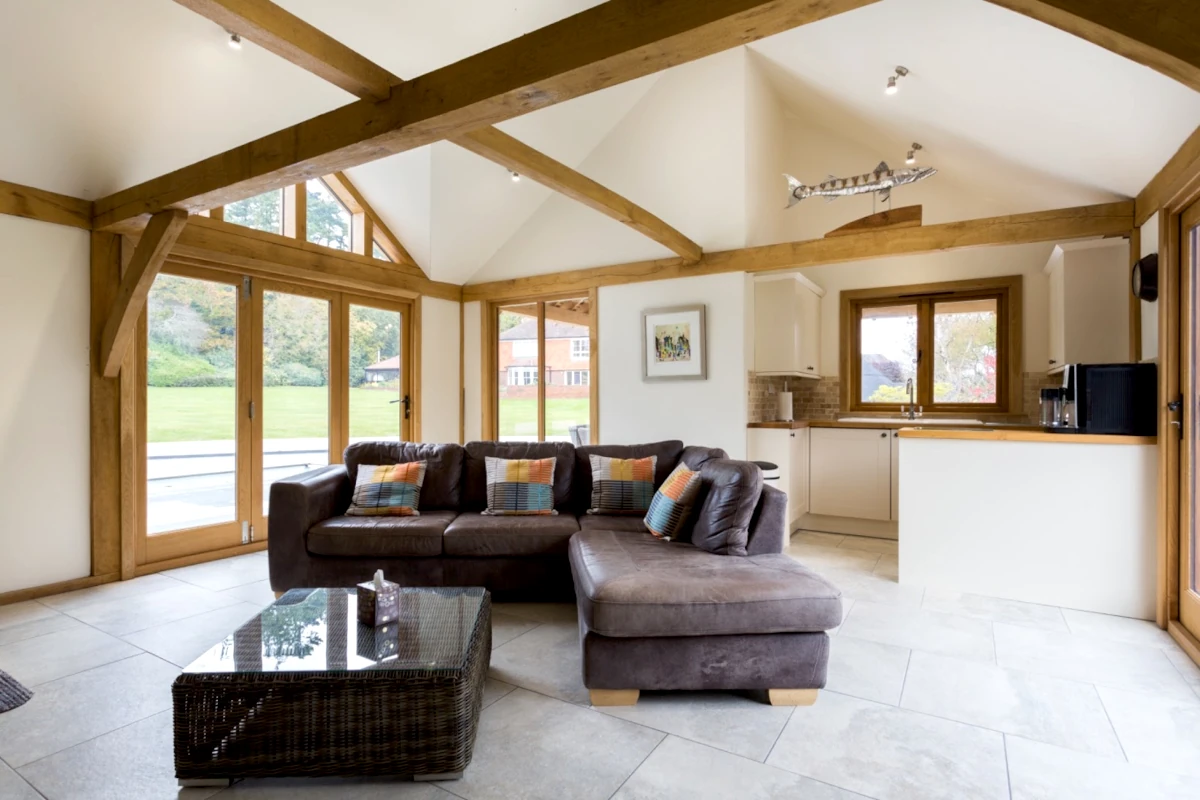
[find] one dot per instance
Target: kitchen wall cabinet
(1089, 303)
(851, 473)
(787, 326)
(789, 450)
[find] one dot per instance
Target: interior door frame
(184, 542)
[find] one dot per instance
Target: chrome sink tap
(913, 411)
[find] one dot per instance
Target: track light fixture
(912, 154)
(892, 86)
(516, 178)
(235, 41)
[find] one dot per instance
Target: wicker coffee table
(304, 689)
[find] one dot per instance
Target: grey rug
(12, 694)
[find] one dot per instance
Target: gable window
(580, 349)
(377, 252)
(262, 212)
(948, 347)
(329, 222)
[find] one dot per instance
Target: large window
(262, 212)
(329, 222)
(543, 387)
(949, 347)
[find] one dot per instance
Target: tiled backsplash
(820, 399)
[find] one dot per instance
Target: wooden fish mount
(903, 217)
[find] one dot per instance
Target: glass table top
(317, 630)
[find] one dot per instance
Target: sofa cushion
(443, 472)
(602, 522)
(667, 454)
(380, 536)
(519, 487)
(621, 485)
(387, 490)
(671, 508)
(630, 585)
(731, 490)
(474, 487)
(476, 534)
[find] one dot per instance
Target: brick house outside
(568, 365)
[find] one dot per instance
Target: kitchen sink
(919, 421)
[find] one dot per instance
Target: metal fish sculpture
(882, 180)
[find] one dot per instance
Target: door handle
(407, 406)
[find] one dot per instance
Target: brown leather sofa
(652, 614)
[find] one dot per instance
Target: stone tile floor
(931, 695)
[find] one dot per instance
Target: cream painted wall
(1149, 239)
(711, 412)
(440, 396)
(44, 430)
(472, 370)
(765, 127)
(1027, 260)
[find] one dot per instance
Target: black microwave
(1111, 398)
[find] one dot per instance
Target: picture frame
(674, 344)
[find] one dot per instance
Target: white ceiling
(120, 91)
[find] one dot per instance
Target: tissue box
(379, 643)
(378, 608)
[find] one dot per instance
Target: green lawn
(293, 412)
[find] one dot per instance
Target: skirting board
(847, 525)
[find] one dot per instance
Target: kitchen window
(948, 347)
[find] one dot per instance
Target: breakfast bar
(1055, 518)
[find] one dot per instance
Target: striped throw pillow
(392, 490)
(672, 502)
(622, 485)
(520, 487)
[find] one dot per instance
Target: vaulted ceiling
(1016, 115)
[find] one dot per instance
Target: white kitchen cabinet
(895, 476)
(1089, 303)
(851, 473)
(788, 448)
(787, 326)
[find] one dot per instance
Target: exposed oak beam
(286, 35)
(603, 46)
(31, 203)
(148, 258)
(496, 145)
(903, 217)
(1159, 34)
(1111, 219)
(1170, 180)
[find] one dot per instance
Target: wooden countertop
(1023, 436)
(789, 425)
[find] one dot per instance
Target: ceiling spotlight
(912, 154)
(235, 41)
(515, 177)
(892, 86)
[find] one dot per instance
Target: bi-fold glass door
(1189, 550)
(247, 382)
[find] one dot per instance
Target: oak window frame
(1007, 291)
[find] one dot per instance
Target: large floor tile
(888, 567)
(128, 614)
(539, 612)
(1155, 731)
(1089, 658)
(858, 585)
(735, 723)
(847, 604)
(333, 789)
(891, 754)
(493, 690)
(134, 761)
(887, 547)
(14, 787)
(683, 770)
(183, 641)
(533, 747)
(109, 591)
(1187, 668)
(23, 613)
(1119, 629)
(544, 660)
(995, 609)
(870, 670)
(259, 593)
(1052, 710)
(817, 538)
(34, 628)
(1044, 772)
(820, 557)
(75, 709)
(56, 655)
(227, 573)
(916, 629)
(506, 627)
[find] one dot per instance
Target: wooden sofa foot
(792, 697)
(279, 595)
(614, 697)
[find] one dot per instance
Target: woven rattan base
(391, 718)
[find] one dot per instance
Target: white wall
(765, 128)
(439, 370)
(1149, 240)
(45, 497)
(711, 412)
(1026, 259)
(472, 370)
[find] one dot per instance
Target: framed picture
(674, 347)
